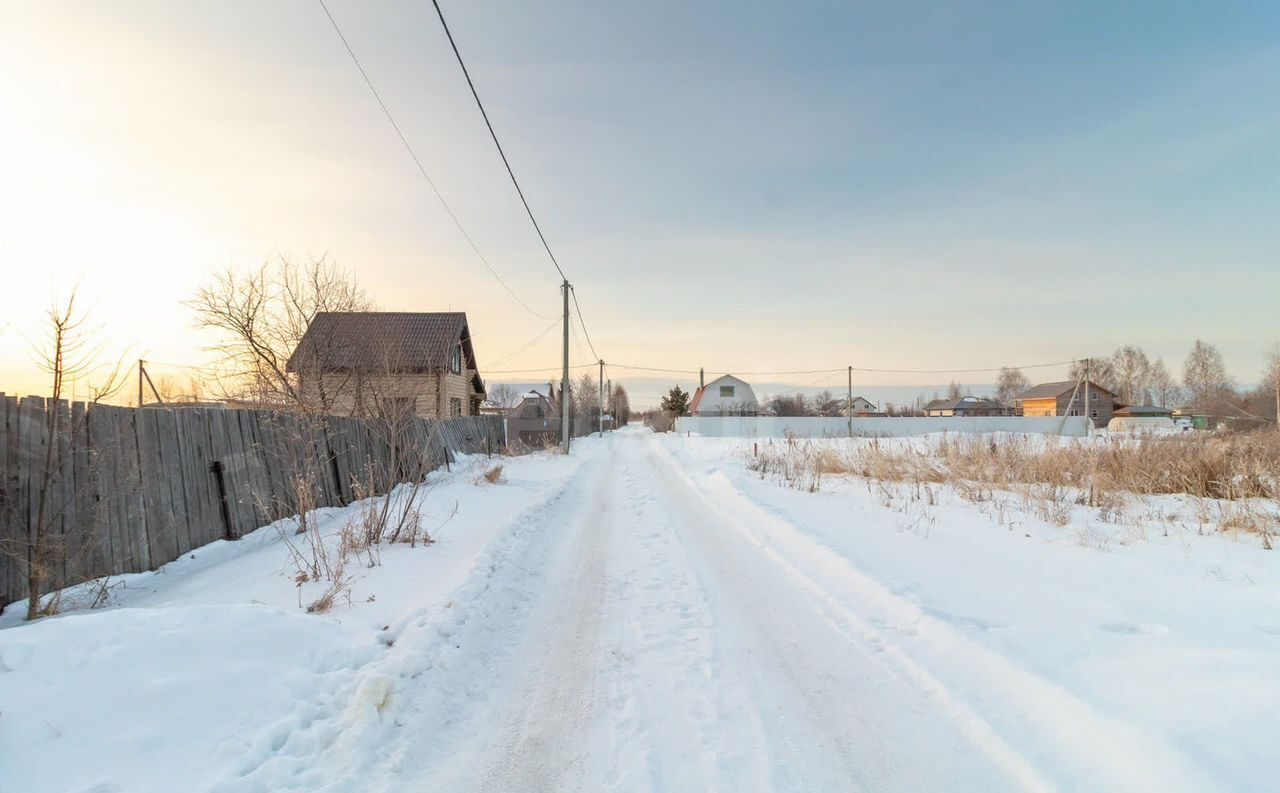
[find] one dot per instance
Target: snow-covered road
(650, 629)
(645, 616)
(661, 650)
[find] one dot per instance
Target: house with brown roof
(1067, 398)
(534, 421)
(367, 362)
(861, 407)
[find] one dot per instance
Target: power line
(574, 293)
(654, 369)
(529, 344)
(532, 371)
(963, 371)
(820, 381)
(421, 169)
(494, 135)
(573, 329)
(842, 369)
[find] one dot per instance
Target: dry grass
(492, 475)
(339, 587)
(375, 522)
(1224, 475)
(1228, 466)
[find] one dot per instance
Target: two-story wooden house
(1067, 398)
(367, 362)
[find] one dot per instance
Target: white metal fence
(875, 427)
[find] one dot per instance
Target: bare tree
(790, 405)
(620, 405)
(1205, 375)
(1101, 372)
(260, 318)
(1010, 384)
(585, 401)
(824, 403)
(1132, 374)
(65, 354)
(1162, 387)
(180, 390)
(504, 395)
(1270, 386)
(954, 391)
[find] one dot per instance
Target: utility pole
(564, 377)
(848, 405)
(601, 411)
(141, 374)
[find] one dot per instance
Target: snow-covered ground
(648, 614)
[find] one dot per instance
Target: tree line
(1205, 385)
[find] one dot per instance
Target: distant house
(1067, 398)
(861, 407)
(366, 362)
(965, 406)
(534, 421)
(724, 396)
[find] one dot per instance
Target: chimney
(701, 384)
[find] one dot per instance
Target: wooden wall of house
(457, 386)
(430, 390)
(131, 489)
(1040, 407)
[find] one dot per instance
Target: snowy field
(651, 615)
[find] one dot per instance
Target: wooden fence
(132, 489)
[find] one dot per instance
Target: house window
(455, 359)
(455, 407)
(726, 391)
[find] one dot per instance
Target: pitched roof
(1054, 390)
(697, 398)
(1143, 410)
(965, 402)
(382, 341)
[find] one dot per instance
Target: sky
(735, 186)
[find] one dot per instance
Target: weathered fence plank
(131, 489)
(135, 520)
(9, 530)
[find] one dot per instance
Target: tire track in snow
(545, 743)
(677, 723)
(837, 717)
(1092, 749)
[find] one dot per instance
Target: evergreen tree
(676, 402)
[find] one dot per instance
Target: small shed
(1141, 418)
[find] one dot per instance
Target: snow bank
(151, 699)
(1146, 638)
(203, 671)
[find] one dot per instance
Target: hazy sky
(740, 186)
